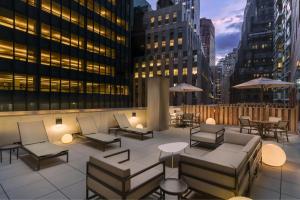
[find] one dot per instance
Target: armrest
(194, 130)
(118, 153)
(146, 169)
(220, 133)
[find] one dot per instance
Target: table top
(263, 122)
(173, 147)
(173, 186)
(11, 146)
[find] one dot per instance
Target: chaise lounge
(110, 179)
(89, 131)
(34, 140)
(124, 125)
(227, 171)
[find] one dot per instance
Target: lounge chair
(110, 179)
(34, 140)
(246, 124)
(89, 130)
(124, 125)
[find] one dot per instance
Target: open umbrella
(185, 88)
(263, 83)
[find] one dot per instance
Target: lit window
(136, 75)
(155, 45)
(195, 70)
(150, 74)
(151, 64)
(167, 17)
(6, 81)
(143, 65)
(158, 63)
(172, 43)
(175, 72)
(179, 41)
(152, 20)
(158, 72)
(163, 43)
(143, 74)
(167, 72)
(184, 71)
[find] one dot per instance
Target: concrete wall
(158, 103)
(103, 117)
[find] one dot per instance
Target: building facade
(207, 33)
(173, 50)
(64, 54)
(282, 45)
(256, 49)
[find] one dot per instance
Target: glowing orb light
(273, 155)
(211, 121)
(239, 198)
(67, 138)
(140, 126)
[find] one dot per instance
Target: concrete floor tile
(75, 191)
(258, 193)
(32, 191)
(291, 189)
(267, 182)
(19, 181)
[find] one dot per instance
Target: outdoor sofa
(34, 140)
(206, 134)
(108, 178)
(89, 131)
(124, 125)
(227, 171)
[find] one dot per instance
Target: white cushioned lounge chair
(89, 130)
(124, 125)
(34, 140)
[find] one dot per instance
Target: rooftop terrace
(60, 180)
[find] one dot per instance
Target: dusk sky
(227, 16)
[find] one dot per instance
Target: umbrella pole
(262, 94)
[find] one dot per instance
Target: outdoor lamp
(58, 121)
(139, 126)
(210, 121)
(67, 138)
(273, 155)
(134, 114)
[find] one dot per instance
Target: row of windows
(164, 43)
(9, 50)
(28, 25)
(160, 18)
(103, 12)
(166, 73)
(47, 84)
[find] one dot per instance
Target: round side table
(173, 186)
(10, 148)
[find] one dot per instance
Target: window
(167, 72)
(167, 18)
(179, 41)
(184, 71)
(21, 52)
(158, 72)
(150, 74)
(175, 72)
(172, 43)
(136, 75)
(174, 16)
(195, 70)
(6, 81)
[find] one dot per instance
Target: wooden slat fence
(229, 114)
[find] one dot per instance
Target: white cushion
(44, 149)
(87, 125)
(122, 120)
(237, 138)
(204, 137)
(230, 147)
(32, 132)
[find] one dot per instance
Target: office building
(173, 50)
(256, 50)
(64, 54)
(207, 33)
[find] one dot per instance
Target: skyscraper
(173, 50)
(255, 54)
(64, 54)
(207, 33)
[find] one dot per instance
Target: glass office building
(64, 54)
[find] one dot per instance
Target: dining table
(262, 126)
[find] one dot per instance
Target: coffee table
(172, 148)
(173, 186)
(10, 148)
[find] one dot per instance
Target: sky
(227, 16)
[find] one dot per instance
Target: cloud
(226, 42)
(237, 26)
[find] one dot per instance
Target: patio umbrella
(185, 88)
(263, 83)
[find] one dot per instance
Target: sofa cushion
(204, 137)
(231, 161)
(210, 128)
(230, 147)
(237, 138)
(250, 146)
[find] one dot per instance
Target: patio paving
(60, 180)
